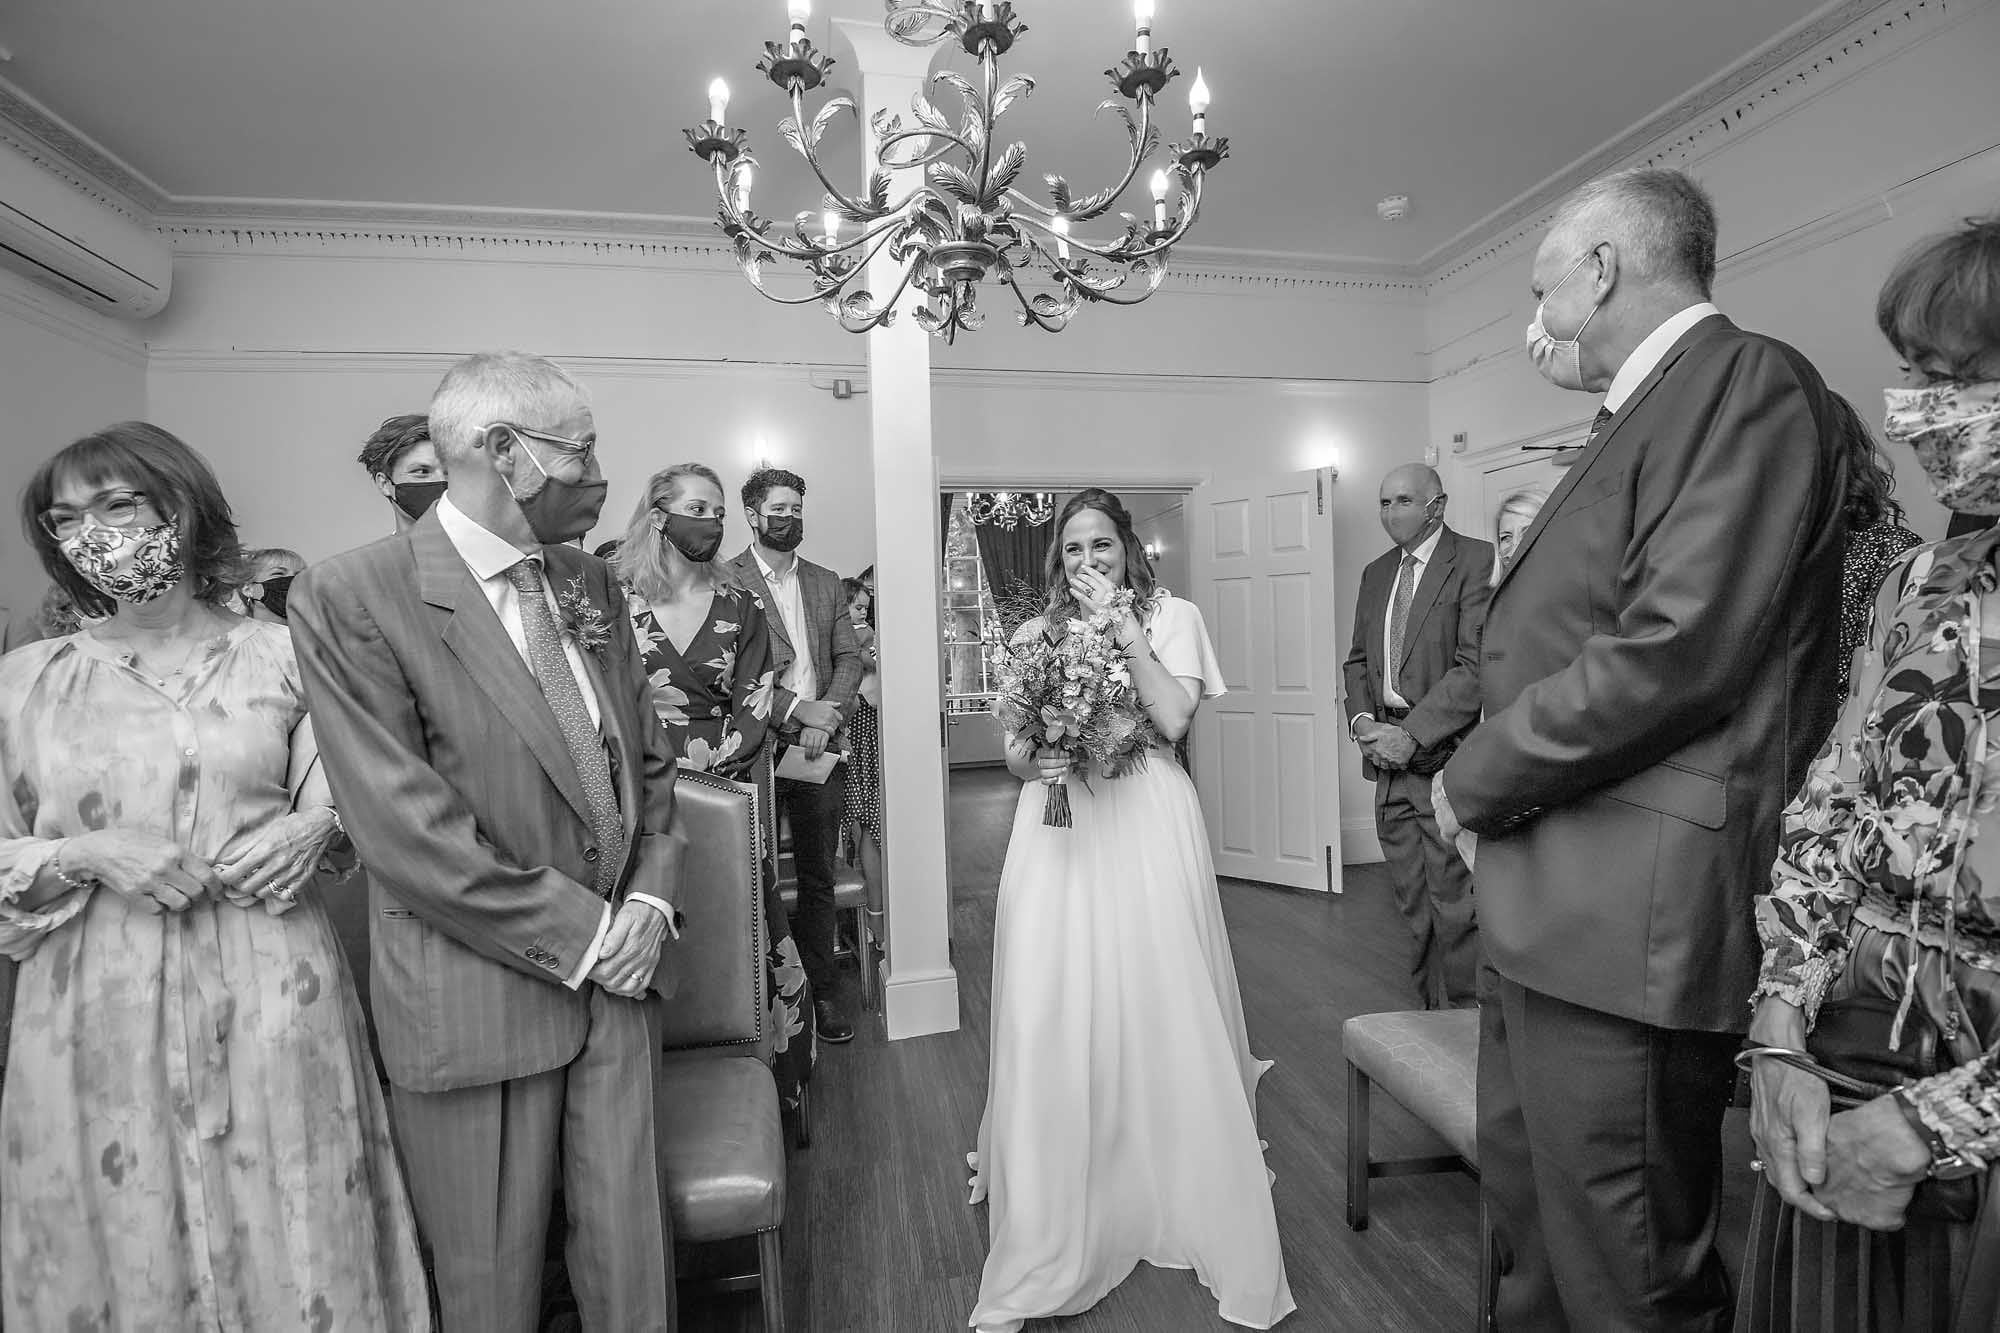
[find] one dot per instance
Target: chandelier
(1009, 509)
(965, 223)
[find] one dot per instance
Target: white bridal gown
(1120, 1116)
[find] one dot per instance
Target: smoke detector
(1393, 209)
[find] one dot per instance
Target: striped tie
(1600, 421)
(1399, 618)
(586, 745)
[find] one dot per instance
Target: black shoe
(832, 1027)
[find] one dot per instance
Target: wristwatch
(1946, 1163)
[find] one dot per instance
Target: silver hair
(498, 386)
(1662, 223)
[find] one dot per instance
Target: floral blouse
(1887, 830)
(714, 696)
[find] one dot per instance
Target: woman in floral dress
(707, 648)
(192, 1136)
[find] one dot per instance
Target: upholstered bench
(1428, 1060)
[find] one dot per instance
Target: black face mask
(784, 534)
(415, 498)
(275, 592)
(562, 511)
(696, 538)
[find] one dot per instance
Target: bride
(1120, 1118)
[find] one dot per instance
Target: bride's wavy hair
(1138, 565)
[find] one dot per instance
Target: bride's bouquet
(1065, 686)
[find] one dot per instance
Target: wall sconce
(1152, 550)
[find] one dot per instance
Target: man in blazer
(1412, 681)
(1658, 662)
(489, 733)
(819, 668)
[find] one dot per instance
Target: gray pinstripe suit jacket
(829, 633)
(452, 777)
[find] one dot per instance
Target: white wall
(64, 371)
(1820, 180)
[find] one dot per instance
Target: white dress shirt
(489, 556)
(801, 677)
(1647, 354)
(1425, 550)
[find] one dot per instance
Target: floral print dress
(714, 697)
(1898, 827)
(192, 1136)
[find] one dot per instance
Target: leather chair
(722, 1147)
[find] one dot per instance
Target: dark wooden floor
(878, 1237)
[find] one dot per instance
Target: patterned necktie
(565, 696)
(1399, 615)
(1600, 421)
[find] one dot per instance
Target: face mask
(696, 538)
(275, 592)
(1559, 360)
(562, 511)
(784, 534)
(415, 498)
(133, 565)
(1955, 429)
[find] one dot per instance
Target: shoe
(832, 1027)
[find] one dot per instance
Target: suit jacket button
(590, 855)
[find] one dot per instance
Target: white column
(921, 990)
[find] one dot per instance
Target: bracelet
(69, 881)
(1749, 1053)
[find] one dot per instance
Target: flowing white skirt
(1120, 1118)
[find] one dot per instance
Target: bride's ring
(285, 895)
(1756, 1164)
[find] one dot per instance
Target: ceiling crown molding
(72, 156)
(1840, 40)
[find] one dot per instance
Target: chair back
(722, 1000)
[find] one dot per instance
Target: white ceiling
(519, 104)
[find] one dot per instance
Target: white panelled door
(1265, 763)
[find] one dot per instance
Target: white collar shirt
(1648, 354)
(801, 677)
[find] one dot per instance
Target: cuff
(1355, 721)
(663, 907)
(584, 968)
(1963, 1106)
(790, 708)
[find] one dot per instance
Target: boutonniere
(582, 620)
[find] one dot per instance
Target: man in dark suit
(819, 668)
(1412, 681)
(489, 732)
(1656, 662)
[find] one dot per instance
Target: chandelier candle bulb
(718, 102)
(800, 11)
(1061, 228)
(1198, 102)
(1160, 200)
(1142, 10)
(829, 223)
(743, 183)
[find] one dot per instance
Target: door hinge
(1319, 490)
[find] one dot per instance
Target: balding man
(489, 730)
(1412, 681)
(1657, 667)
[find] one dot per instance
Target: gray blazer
(830, 637)
(452, 777)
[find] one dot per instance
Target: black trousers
(1433, 892)
(813, 810)
(1600, 1161)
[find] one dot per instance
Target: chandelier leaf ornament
(1010, 509)
(964, 222)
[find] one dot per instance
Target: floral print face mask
(1955, 429)
(133, 565)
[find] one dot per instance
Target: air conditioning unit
(60, 237)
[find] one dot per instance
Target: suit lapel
(1602, 441)
(746, 566)
(479, 641)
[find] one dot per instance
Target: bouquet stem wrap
(1055, 809)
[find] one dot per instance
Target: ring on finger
(1756, 1164)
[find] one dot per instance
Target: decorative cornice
(375, 233)
(1804, 62)
(72, 156)
(37, 305)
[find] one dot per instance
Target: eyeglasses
(119, 509)
(583, 449)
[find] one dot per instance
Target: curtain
(1012, 559)
(944, 522)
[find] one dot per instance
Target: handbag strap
(1835, 1081)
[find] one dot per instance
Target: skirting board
(1358, 843)
(922, 1004)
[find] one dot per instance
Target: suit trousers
(482, 1164)
(1433, 892)
(1600, 1162)
(813, 810)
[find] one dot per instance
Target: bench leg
(1489, 1276)
(1357, 1148)
(771, 1280)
